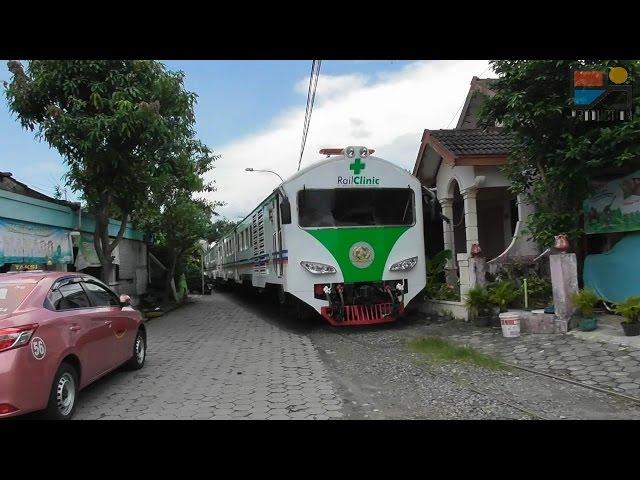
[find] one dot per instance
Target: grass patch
(440, 350)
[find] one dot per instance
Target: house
(462, 166)
(40, 232)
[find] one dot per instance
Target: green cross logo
(357, 166)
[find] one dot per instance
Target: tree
(122, 126)
(172, 214)
(555, 155)
(218, 228)
(182, 222)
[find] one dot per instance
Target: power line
(311, 95)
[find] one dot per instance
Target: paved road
(216, 359)
(228, 356)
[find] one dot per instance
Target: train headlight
(364, 151)
(318, 268)
(406, 264)
(350, 152)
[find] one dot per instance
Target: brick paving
(605, 365)
(214, 359)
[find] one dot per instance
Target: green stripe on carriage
(339, 241)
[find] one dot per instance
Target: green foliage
(585, 300)
(629, 309)
(478, 301)
(218, 228)
(435, 274)
(539, 290)
(448, 291)
(503, 294)
(555, 155)
(440, 350)
(125, 129)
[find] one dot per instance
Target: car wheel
(139, 352)
(64, 392)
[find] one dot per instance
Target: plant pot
(481, 320)
(588, 324)
(631, 329)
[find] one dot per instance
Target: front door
(121, 326)
(89, 334)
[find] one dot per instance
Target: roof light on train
(406, 264)
(343, 151)
(349, 152)
(317, 268)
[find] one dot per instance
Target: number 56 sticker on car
(38, 348)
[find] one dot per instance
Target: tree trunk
(103, 247)
(105, 274)
(169, 293)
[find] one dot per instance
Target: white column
(470, 216)
(449, 240)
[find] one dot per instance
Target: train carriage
(344, 236)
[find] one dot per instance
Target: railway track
(521, 408)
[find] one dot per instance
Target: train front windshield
(356, 207)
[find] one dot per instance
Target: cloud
(387, 111)
(332, 85)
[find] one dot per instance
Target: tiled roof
(475, 141)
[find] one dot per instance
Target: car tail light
(13, 337)
(7, 408)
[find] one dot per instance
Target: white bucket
(510, 322)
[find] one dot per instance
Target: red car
(59, 332)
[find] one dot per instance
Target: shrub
(503, 294)
(629, 309)
(478, 301)
(584, 301)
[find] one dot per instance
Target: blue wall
(20, 207)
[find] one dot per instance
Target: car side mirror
(125, 300)
(285, 211)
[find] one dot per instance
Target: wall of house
(133, 268)
(132, 248)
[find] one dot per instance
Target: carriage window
(354, 207)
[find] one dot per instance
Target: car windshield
(12, 295)
(355, 207)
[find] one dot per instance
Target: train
(343, 236)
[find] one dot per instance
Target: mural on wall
(87, 256)
(614, 206)
(23, 242)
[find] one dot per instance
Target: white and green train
(344, 235)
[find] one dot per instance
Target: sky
(252, 114)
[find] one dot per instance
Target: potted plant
(630, 309)
(479, 305)
(585, 301)
(503, 294)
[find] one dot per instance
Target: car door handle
(74, 328)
